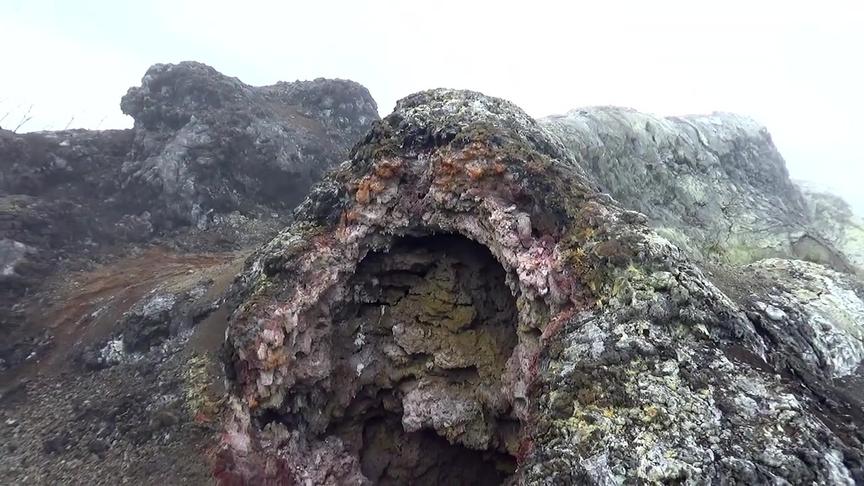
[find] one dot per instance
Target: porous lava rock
(460, 303)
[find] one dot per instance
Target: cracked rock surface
(462, 281)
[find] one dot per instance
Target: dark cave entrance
(420, 349)
(392, 457)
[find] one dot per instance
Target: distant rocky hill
(269, 285)
(715, 185)
(206, 144)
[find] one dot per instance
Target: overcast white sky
(796, 66)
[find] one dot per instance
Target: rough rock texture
(96, 407)
(715, 185)
(807, 305)
(50, 212)
(212, 164)
(55, 189)
(457, 303)
(129, 424)
(116, 248)
(206, 143)
(622, 362)
(123, 383)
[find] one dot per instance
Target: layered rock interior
(419, 354)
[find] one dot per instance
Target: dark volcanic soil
(150, 419)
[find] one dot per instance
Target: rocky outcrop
(460, 303)
(816, 312)
(116, 248)
(207, 144)
(211, 164)
(714, 185)
(56, 188)
(472, 297)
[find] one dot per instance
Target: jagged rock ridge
(207, 143)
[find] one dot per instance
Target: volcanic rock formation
(461, 288)
(470, 297)
(211, 164)
(715, 185)
(115, 250)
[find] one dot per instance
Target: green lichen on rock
(201, 387)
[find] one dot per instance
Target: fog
(794, 66)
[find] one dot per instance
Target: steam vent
(458, 303)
